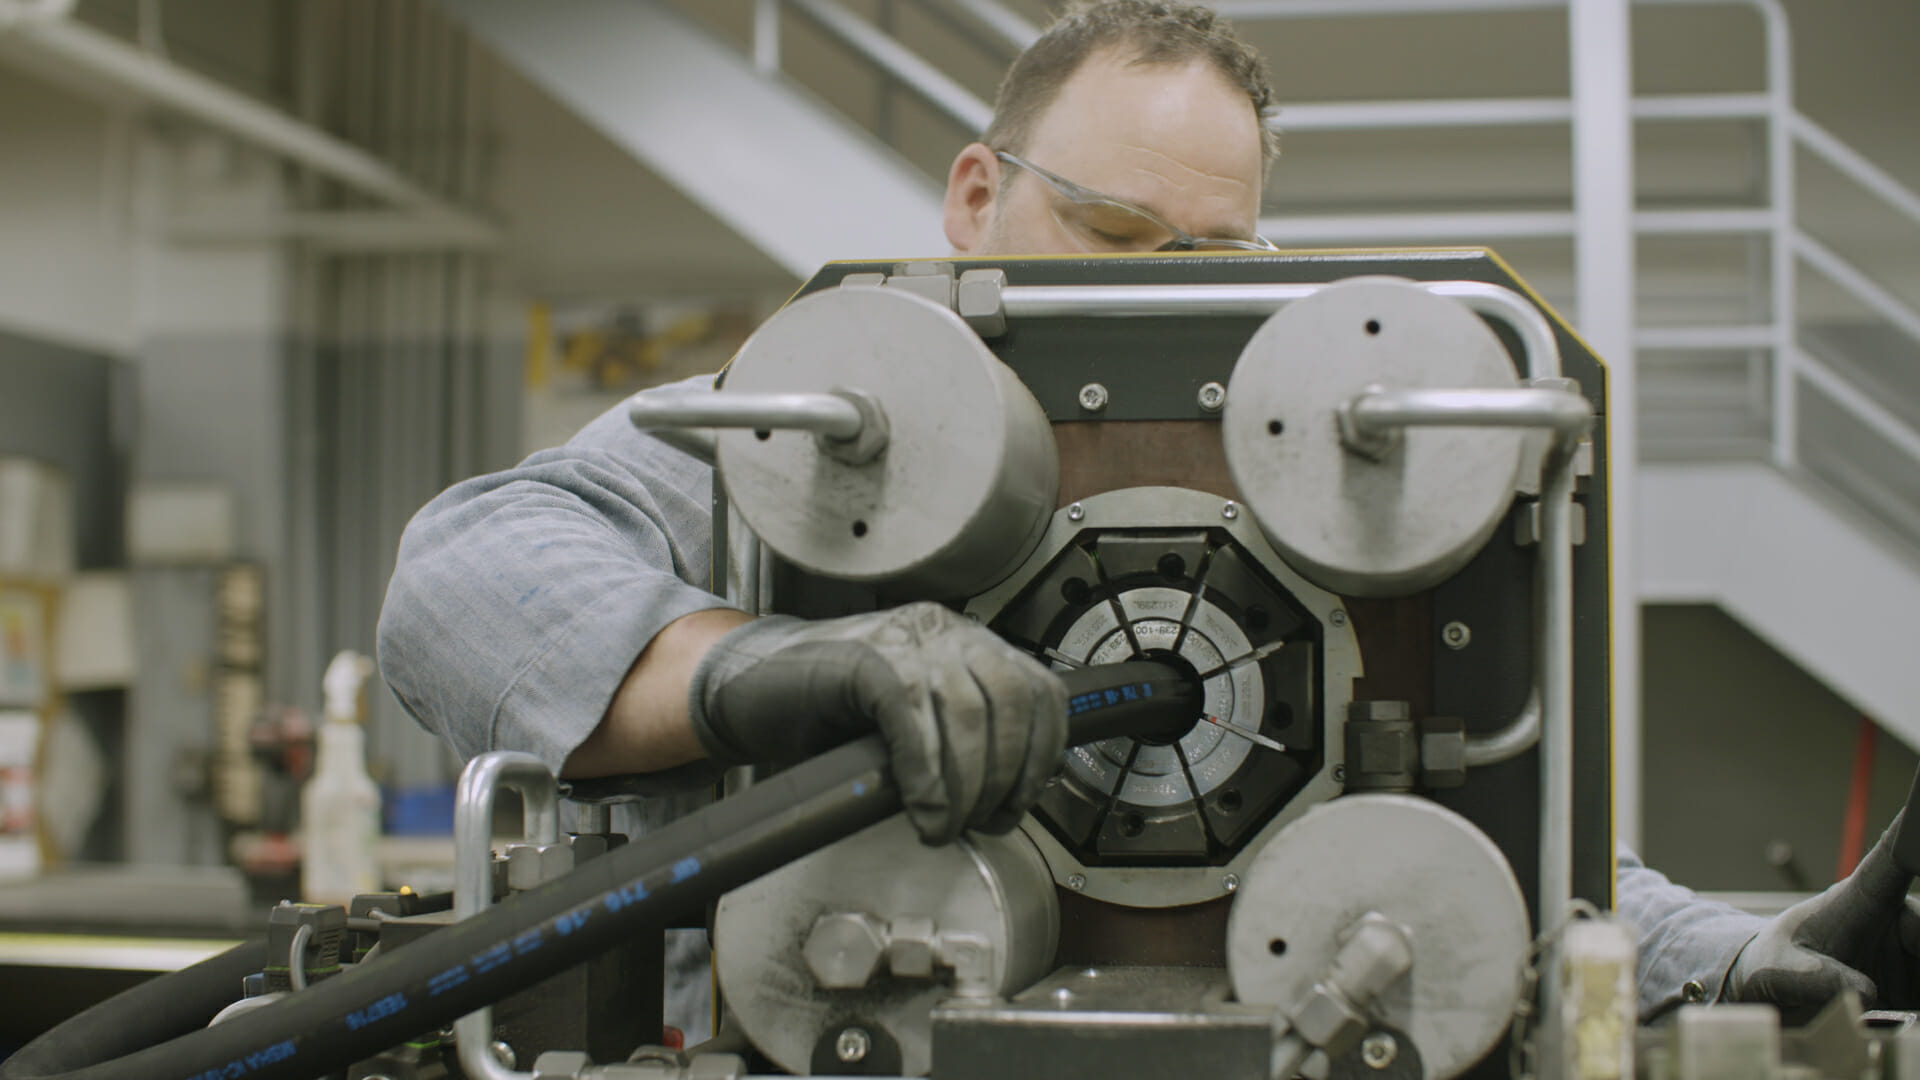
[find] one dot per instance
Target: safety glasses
(1103, 223)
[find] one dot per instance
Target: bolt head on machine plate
(844, 949)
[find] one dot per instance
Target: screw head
(1230, 510)
(1337, 617)
(1212, 396)
(1378, 1050)
(502, 1053)
(1340, 773)
(1456, 634)
(1093, 397)
(852, 1045)
(1075, 512)
(1231, 882)
(1076, 882)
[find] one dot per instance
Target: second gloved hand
(974, 727)
(1861, 934)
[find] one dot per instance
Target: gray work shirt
(521, 599)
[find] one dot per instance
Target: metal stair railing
(1787, 133)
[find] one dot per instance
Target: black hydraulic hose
(1146, 698)
(152, 1012)
(535, 934)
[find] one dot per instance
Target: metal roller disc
(995, 886)
(1351, 524)
(1422, 866)
(966, 483)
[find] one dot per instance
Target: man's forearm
(646, 728)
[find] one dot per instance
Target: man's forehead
(1147, 127)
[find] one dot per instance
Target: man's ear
(973, 185)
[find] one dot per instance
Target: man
(554, 608)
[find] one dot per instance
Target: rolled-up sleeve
(520, 600)
(1683, 937)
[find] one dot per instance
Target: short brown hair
(1156, 32)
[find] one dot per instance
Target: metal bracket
(1527, 524)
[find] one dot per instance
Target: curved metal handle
(1372, 420)
(823, 414)
(480, 781)
(849, 425)
(1376, 410)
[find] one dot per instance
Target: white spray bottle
(340, 806)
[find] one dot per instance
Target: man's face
(1178, 140)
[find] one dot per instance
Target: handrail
(1854, 280)
(1855, 166)
(1466, 227)
(1501, 112)
(897, 60)
(1860, 403)
(1011, 28)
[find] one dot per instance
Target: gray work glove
(1862, 934)
(974, 726)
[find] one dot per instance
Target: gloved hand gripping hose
(533, 935)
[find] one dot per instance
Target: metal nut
(1376, 954)
(559, 1065)
(530, 866)
(716, 1067)
(977, 298)
(852, 1045)
(1378, 1050)
(932, 280)
(911, 947)
(844, 950)
(586, 846)
(1212, 396)
(1443, 752)
(1324, 1019)
(1456, 634)
(1093, 397)
(1337, 617)
(1379, 710)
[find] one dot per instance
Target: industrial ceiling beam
(788, 174)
